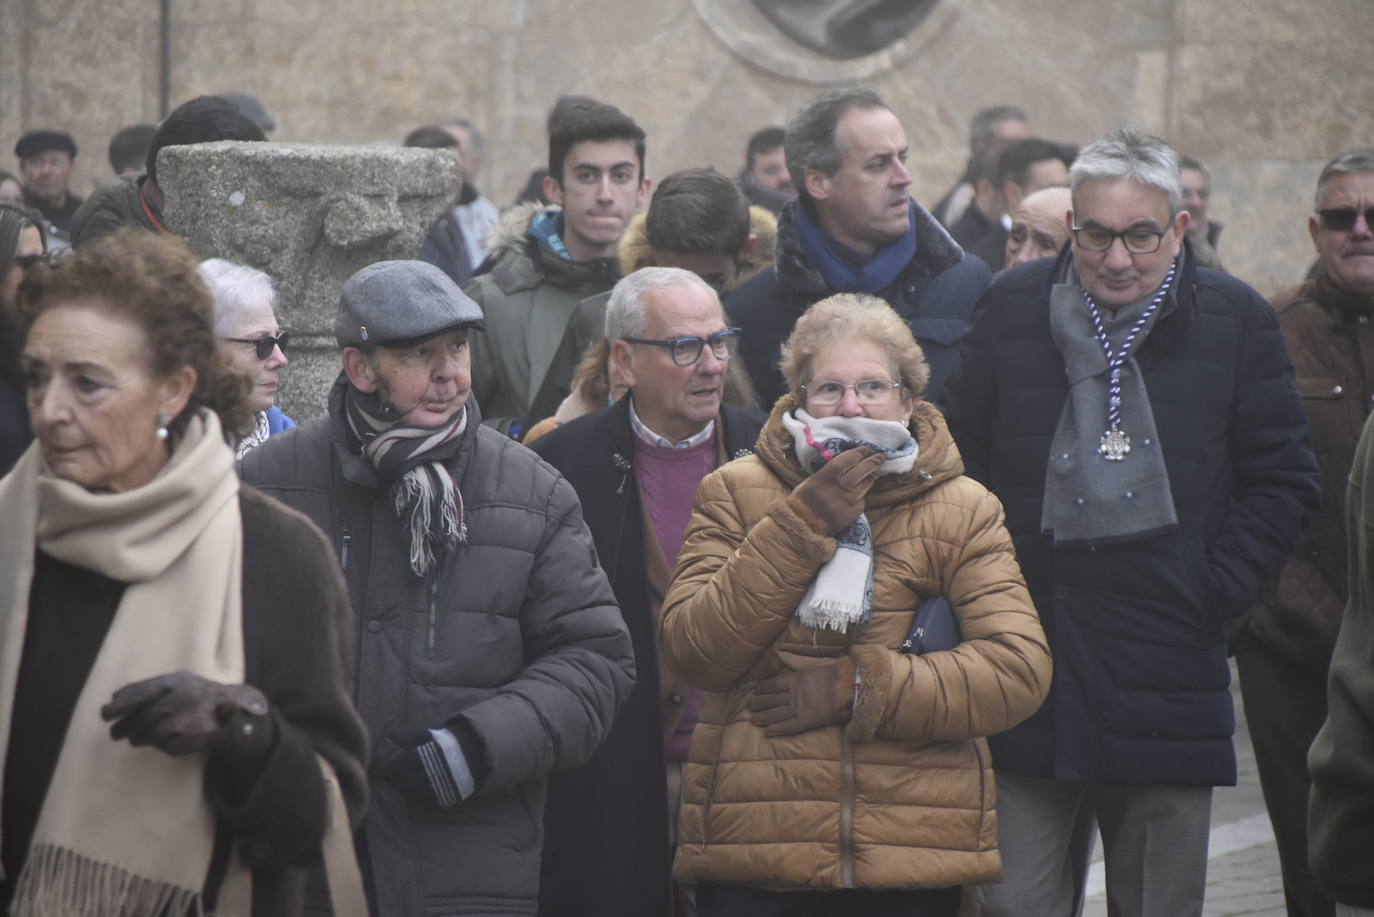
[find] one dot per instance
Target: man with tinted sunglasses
(1285, 652)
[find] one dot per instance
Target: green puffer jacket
(114, 205)
(528, 298)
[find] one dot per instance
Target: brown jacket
(1330, 337)
(903, 796)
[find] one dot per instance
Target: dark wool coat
(607, 834)
(934, 295)
(1138, 629)
(298, 651)
(515, 637)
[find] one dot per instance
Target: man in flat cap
(45, 165)
(489, 646)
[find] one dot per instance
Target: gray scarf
(1088, 499)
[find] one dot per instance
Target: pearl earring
(163, 420)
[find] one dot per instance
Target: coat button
(374, 627)
(1061, 592)
(1337, 390)
(676, 698)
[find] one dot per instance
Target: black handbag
(933, 627)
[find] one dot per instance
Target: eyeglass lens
(1342, 219)
(687, 351)
(1137, 241)
(868, 391)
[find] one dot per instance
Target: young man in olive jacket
(490, 650)
(545, 260)
(636, 466)
(1136, 414)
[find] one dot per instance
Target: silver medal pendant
(1115, 444)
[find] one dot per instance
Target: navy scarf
(876, 275)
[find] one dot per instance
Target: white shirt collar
(653, 439)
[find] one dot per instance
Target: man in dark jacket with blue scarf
(1138, 418)
(854, 229)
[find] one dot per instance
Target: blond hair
(846, 316)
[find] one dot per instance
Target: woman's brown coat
(903, 795)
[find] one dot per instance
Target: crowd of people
(561, 609)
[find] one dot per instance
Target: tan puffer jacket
(903, 795)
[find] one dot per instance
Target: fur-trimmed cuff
(875, 679)
(801, 526)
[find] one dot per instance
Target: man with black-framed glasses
(1285, 650)
(1137, 416)
(636, 466)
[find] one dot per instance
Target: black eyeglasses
(1342, 219)
(264, 345)
(1137, 241)
(24, 262)
(687, 350)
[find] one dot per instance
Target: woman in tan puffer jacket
(827, 760)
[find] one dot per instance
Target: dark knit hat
(40, 141)
(400, 303)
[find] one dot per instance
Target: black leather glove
(182, 713)
(428, 766)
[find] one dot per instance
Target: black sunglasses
(264, 345)
(24, 262)
(1342, 219)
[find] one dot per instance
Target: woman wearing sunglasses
(22, 245)
(248, 332)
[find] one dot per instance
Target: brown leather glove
(833, 497)
(816, 693)
(182, 713)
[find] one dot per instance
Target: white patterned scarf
(411, 460)
(841, 595)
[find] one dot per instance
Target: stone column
(310, 216)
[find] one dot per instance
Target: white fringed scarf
(842, 592)
(125, 831)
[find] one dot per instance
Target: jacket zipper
(345, 542)
(433, 612)
(846, 813)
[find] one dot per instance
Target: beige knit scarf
(124, 830)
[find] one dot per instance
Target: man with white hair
(1138, 418)
(636, 466)
(248, 332)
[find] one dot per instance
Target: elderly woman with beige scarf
(174, 714)
(836, 771)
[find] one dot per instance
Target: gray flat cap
(394, 303)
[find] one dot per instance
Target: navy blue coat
(1138, 629)
(935, 294)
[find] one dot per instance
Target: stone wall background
(1263, 91)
